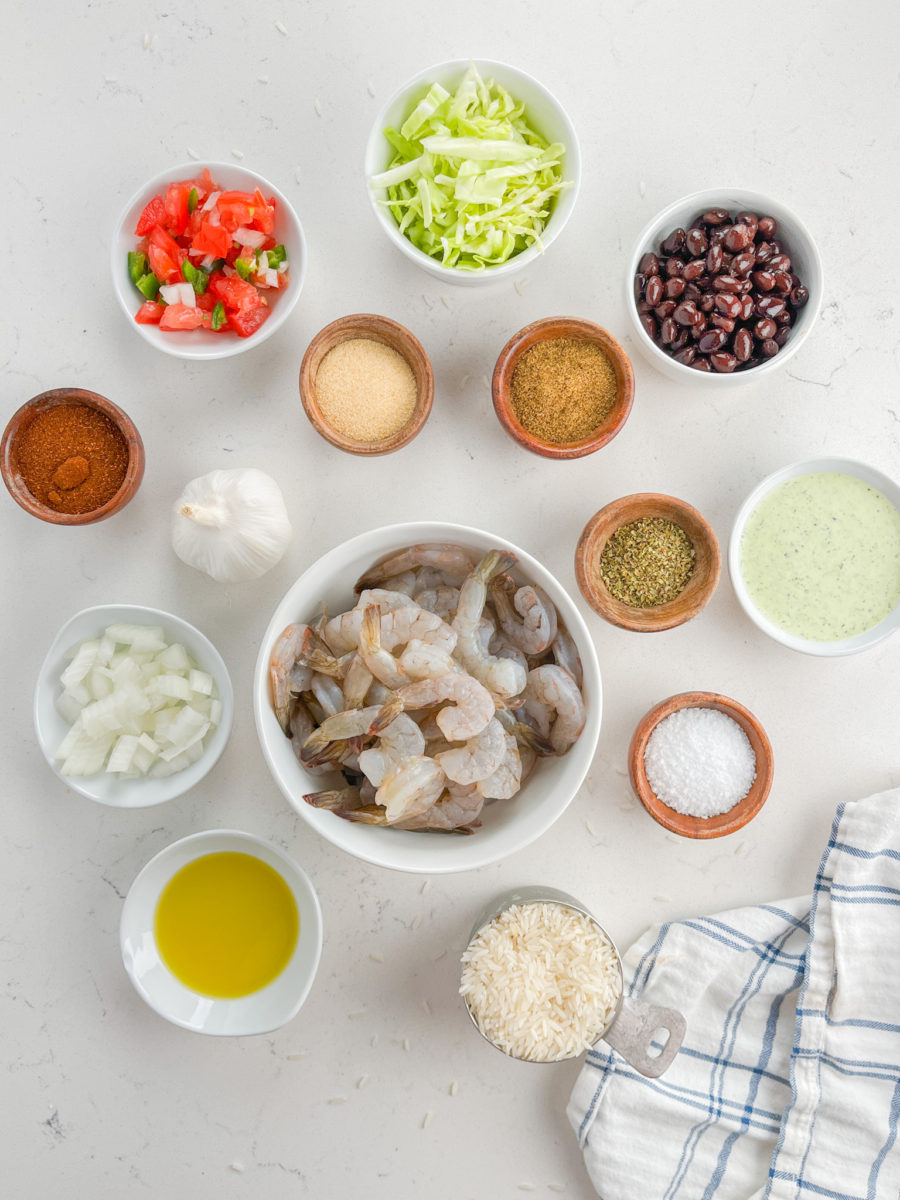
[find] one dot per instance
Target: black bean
(649, 265)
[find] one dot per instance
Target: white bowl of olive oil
(814, 556)
(221, 933)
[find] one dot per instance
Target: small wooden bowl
(547, 330)
(698, 589)
(377, 329)
(702, 827)
(22, 418)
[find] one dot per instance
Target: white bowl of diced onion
(159, 746)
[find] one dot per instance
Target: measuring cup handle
(632, 1031)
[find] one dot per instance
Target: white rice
(541, 981)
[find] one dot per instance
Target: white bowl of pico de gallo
(208, 260)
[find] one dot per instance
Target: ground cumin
(562, 389)
(72, 457)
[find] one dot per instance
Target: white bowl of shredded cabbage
(173, 764)
(478, 173)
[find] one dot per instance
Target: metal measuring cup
(631, 1028)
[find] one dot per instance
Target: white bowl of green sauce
(814, 556)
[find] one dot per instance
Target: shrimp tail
(336, 801)
(367, 814)
(390, 710)
(494, 563)
(322, 663)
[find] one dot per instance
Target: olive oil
(226, 924)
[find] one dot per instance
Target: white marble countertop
(101, 1097)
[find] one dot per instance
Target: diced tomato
(153, 214)
(149, 313)
(235, 209)
(247, 320)
(263, 213)
(181, 316)
(205, 301)
(204, 185)
(236, 294)
(212, 239)
(165, 255)
(177, 196)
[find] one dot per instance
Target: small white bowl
(843, 466)
(51, 727)
(805, 262)
(545, 114)
(200, 343)
(507, 825)
(259, 1012)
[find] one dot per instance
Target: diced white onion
(249, 237)
(272, 278)
(128, 698)
(178, 293)
(210, 202)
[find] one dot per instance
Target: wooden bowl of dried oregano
(563, 387)
(647, 562)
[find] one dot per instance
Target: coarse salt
(699, 762)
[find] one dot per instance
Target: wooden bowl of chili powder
(71, 457)
(562, 387)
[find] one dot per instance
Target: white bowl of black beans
(723, 287)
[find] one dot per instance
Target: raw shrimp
(440, 600)
(407, 583)
(357, 682)
(499, 646)
(527, 615)
(421, 660)
(478, 758)
(328, 693)
(301, 678)
(402, 739)
(377, 659)
(410, 788)
(507, 779)
(453, 562)
(402, 625)
(341, 726)
(565, 654)
(556, 690)
(452, 812)
(339, 800)
(472, 706)
(499, 675)
(524, 734)
(341, 633)
(291, 645)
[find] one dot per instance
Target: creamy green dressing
(820, 556)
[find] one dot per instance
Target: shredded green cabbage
(470, 183)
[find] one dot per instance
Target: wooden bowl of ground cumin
(71, 457)
(563, 387)
(366, 384)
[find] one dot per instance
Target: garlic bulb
(231, 524)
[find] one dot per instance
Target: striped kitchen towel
(788, 1083)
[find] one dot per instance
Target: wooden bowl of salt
(374, 393)
(686, 824)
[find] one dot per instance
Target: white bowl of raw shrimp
(507, 825)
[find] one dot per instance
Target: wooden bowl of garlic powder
(366, 384)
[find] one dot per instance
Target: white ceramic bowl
(508, 825)
(805, 262)
(51, 727)
(200, 343)
(844, 466)
(259, 1012)
(545, 114)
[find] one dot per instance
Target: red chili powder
(72, 458)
